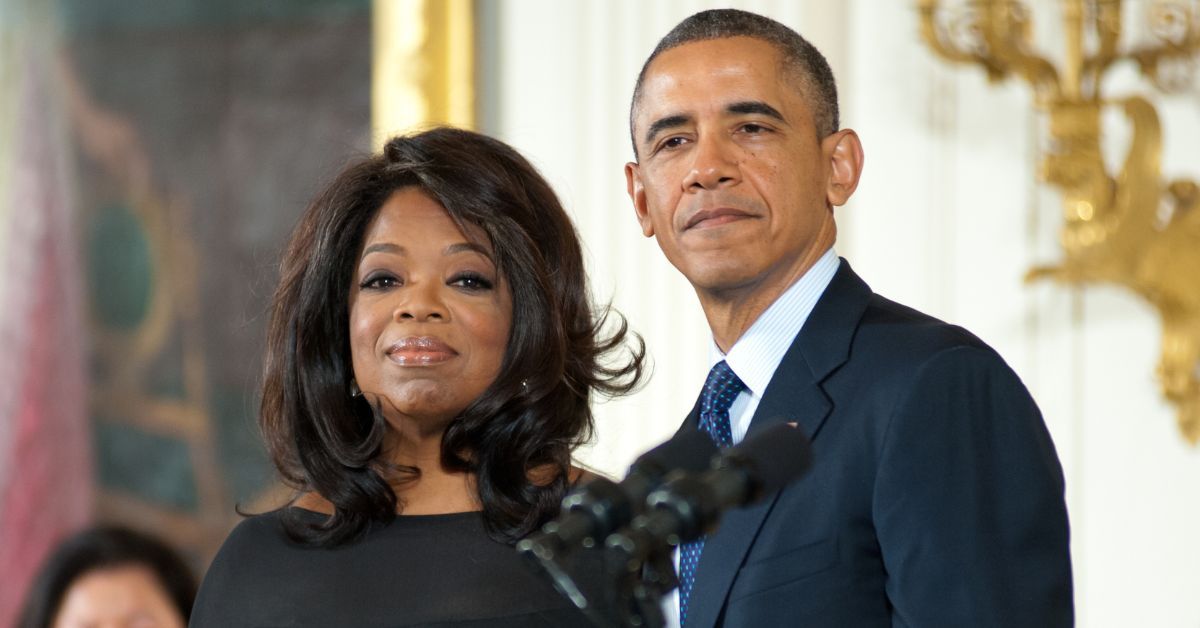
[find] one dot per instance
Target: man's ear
(637, 194)
(845, 154)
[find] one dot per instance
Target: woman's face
(429, 315)
(127, 596)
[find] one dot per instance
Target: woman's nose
(420, 302)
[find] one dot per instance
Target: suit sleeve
(968, 501)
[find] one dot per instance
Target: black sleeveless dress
(420, 570)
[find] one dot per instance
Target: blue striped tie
(721, 388)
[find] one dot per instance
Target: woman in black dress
(432, 353)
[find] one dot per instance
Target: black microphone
(596, 509)
(690, 504)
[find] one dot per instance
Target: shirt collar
(757, 354)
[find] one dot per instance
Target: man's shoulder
(854, 332)
(893, 344)
(908, 332)
(852, 312)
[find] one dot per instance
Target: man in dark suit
(936, 496)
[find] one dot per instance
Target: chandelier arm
(938, 42)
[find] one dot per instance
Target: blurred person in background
(432, 357)
(111, 576)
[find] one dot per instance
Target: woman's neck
(435, 492)
(432, 490)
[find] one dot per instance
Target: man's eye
(672, 142)
(473, 282)
(379, 282)
(754, 128)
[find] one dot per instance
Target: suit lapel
(794, 395)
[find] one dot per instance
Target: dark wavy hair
(105, 547)
(530, 419)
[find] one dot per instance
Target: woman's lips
(420, 351)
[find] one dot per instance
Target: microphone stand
(658, 578)
(642, 573)
(687, 505)
(565, 584)
(645, 574)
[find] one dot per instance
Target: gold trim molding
(1131, 227)
(423, 65)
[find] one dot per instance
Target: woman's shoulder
(581, 475)
(242, 566)
(256, 541)
(576, 475)
(254, 533)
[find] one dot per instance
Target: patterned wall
(203, 129)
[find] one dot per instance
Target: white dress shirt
(756, 355)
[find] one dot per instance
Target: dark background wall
(202, 130)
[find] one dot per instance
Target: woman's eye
(471, 281)
(379, 282)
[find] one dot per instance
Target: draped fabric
(45, 458)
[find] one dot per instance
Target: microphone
(690, 504)
(596, 509)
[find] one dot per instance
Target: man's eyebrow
(743, 107)
(663, 124)
(755, 106)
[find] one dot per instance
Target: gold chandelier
(1131, 228)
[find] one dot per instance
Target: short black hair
(106, 547)
(816, 77)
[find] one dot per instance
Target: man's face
(732, 179)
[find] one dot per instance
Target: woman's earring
(525, 385)
(355, 391)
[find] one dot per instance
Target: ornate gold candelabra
(1130, 228)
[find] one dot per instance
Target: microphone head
(690, 450)
(773, 457)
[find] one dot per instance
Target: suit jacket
(935, 497)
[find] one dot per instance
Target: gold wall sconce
(1131, 227)
(423, 66)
